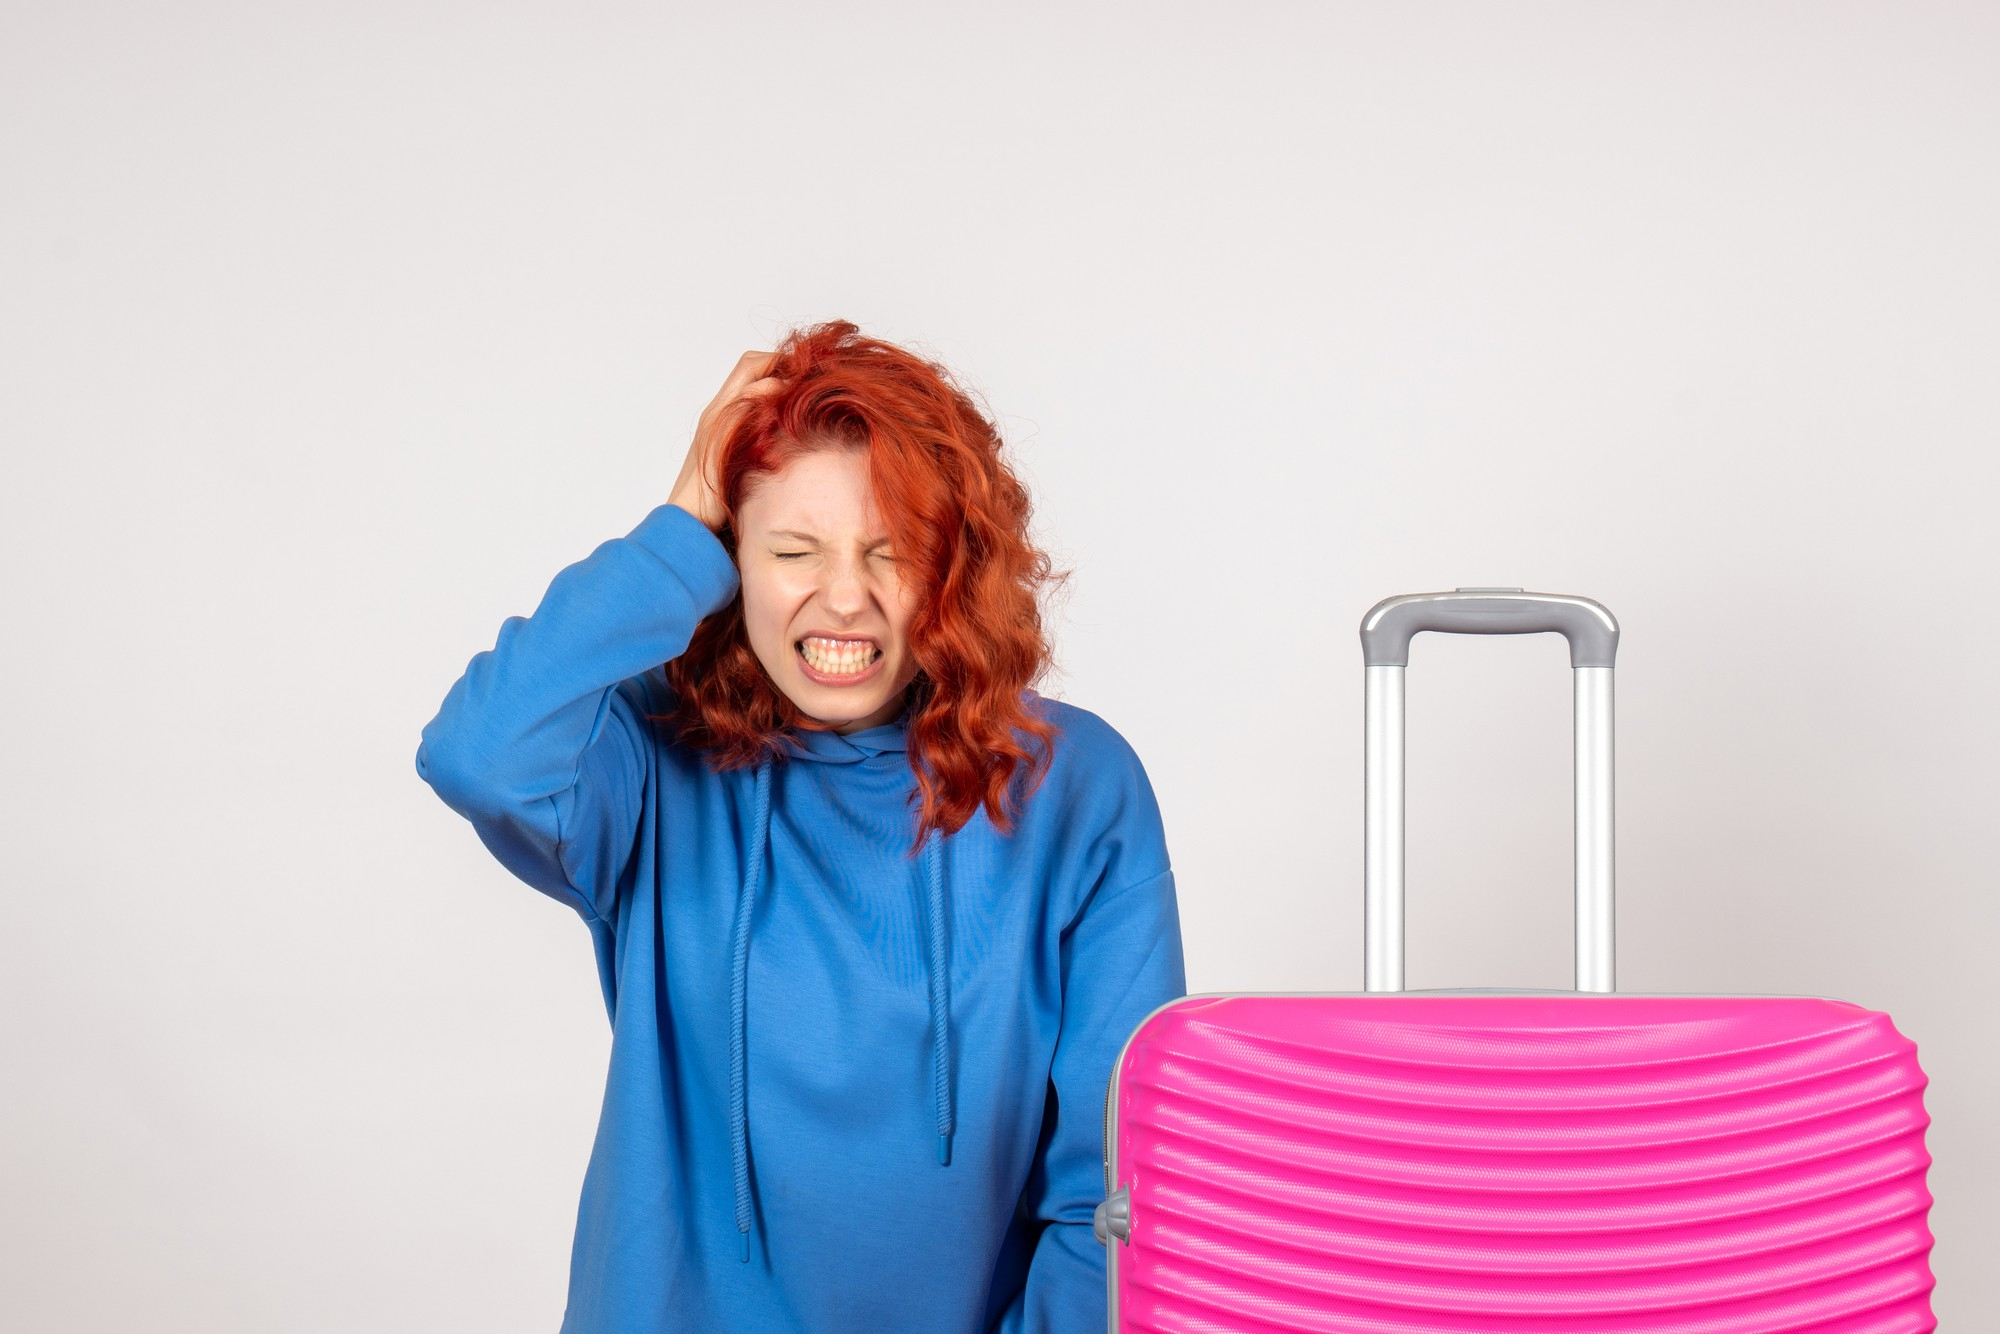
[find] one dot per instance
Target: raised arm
(540, 744)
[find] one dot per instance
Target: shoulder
(648, 696)
(649, 700)
(1095, 812)
(1085, 743)
(1097, 791)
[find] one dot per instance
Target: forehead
(825, 492)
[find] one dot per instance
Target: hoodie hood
(831, 748)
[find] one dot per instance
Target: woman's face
(826, 613)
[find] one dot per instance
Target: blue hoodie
(849, 1089)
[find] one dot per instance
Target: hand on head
(695, 489)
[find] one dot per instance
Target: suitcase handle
(1386, 632)
(1388, 627)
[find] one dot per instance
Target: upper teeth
(838, 653)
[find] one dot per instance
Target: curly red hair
(958, 517)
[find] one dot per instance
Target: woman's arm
(540, 744)
(1120, 962)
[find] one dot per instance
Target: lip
(817, 677)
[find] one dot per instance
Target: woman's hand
(694, 491)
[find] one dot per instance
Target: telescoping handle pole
(1386, 632)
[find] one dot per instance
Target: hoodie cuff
(687, 547)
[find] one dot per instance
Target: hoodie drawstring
(940, 993)
(739, 978)
(940, 998)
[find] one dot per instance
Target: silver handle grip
(1593, 639)
(1389, 626)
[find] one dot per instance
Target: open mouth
(838, 659)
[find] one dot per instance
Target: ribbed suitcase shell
(1447, 1162)
(1579, 1162)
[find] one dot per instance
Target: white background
(330, 332)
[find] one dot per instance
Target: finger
(748, 367)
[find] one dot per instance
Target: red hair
(959, 520)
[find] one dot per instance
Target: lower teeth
(842, 670)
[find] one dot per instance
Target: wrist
(694, 510)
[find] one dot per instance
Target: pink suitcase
(1487, 1162)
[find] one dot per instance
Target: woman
(872, 917)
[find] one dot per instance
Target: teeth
(837, 658)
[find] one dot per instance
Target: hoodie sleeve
(1122, 961)
(541, 743)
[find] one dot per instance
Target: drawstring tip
(944, 1148)
(745, 1257)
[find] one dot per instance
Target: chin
(847, 712)
(830, 704)
(840, 708)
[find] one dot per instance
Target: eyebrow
(808, 537)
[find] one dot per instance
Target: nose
(847, 592)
